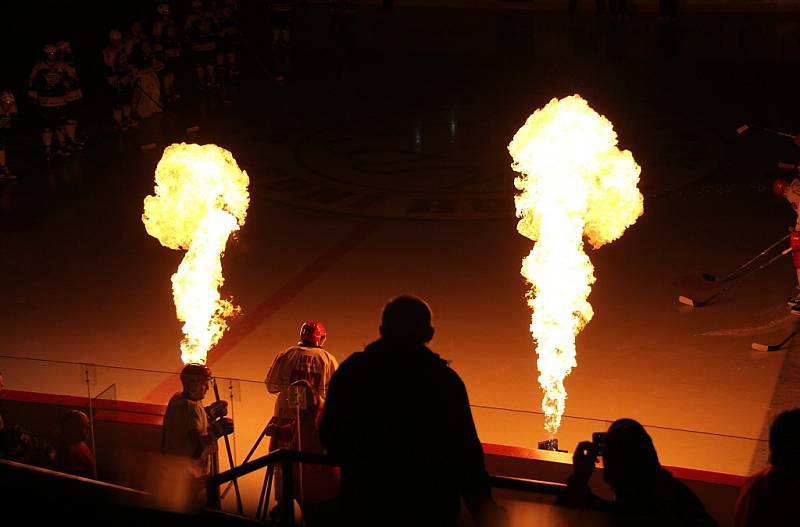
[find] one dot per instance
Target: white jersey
(307, 363)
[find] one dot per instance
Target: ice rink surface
(380, 168)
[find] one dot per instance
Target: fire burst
(200, 198)
(574, 181)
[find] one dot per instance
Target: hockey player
(73, 94)
(281, 19)
(8, 109)
(164, 19)
(307, 361)
(119, 78)
(230, 36)
(47, 92)
(202, 33)
(791, 191)
(167, 49)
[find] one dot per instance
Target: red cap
(313, 332)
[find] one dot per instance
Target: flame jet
(573, 182)
(200, 198)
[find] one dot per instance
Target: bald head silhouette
(407, 318)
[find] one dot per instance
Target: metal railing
(286, 458)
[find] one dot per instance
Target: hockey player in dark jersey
(47, 92)
(281, 18)
(73, 95)
(202, 34)
(229, 39)
(119, 78)
(167, 50)
(8, 110)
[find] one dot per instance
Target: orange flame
(200, 198)
(574, 181)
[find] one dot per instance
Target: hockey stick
(730, 276)
(745, 127)
(700, 303)
(774, 347)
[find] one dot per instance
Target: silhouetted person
(770, 497)
(190, 434)
(22, 446)
(73, 455)
(642, 488)
(398, 420)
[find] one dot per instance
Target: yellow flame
(574, 181)
(200, 198)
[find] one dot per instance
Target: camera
(598, 442)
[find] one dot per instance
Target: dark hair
(72, 426)
(784, 440)
(407, 317)
(629, 456)
(194, 373)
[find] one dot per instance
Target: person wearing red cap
(306, 363)
(191, 431)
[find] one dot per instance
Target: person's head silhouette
(407, 318)
(784, 441)
(630, 460)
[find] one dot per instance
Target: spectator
(2, 381)
(398, 420)
(770, 496)
(191, 432)
(642, 488)
(307, 361)
(73, 456)
(22, 446)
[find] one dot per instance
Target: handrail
(287, 457)
(276, 456)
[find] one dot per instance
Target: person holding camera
(191, 431)
(642, 487)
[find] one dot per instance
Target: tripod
(299, 397)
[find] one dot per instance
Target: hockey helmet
(313, 332)
(7, 98)
(50, 51)
(114, 34)
(163, 9)
(779, 186)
